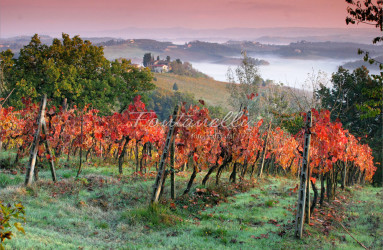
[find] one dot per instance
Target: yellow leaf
(19, 227)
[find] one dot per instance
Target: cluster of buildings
(159, 66)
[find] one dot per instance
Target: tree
(147, 59)
(370, 12)
(175, 87)
(162, 102)
(367, 12)
(245, 80)
(274, 102)
(73, 69)
(185, 69)
(345, 97)
(348, 99)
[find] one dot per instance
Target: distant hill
(24, 40)
(308, 50)
(359, 63)
(222, 53)
(192, 51)
(213, 52)
(273, 35)
(16, 43)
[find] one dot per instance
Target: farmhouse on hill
(158, 66)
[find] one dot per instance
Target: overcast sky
(80, 16)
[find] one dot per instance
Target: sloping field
(212, 92)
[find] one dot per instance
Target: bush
(9, 213)
(6, 163)
(154, 215)
(213, 232)
(271, 203)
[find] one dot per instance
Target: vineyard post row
(304, 189)
(41, 126)
(333, 150)
(161, 175)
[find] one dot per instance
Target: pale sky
(19, 17)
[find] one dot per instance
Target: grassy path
(105, 211)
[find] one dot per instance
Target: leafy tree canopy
(350, 97)
(74, 69)
(368, 12)
(185, 69)
(356, 100)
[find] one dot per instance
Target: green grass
(103, 210)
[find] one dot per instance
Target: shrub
(154, 215)
(6, 163)
(213, 232)
(270, 203)
(9, 213)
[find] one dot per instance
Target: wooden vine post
(307, 206)
(172, 171)
(264, 150)
(81, 142)
(344, 175)
(51, 160)
(41, 126)
(161, 168)
(304, 180)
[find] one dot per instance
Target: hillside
(214, 93)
